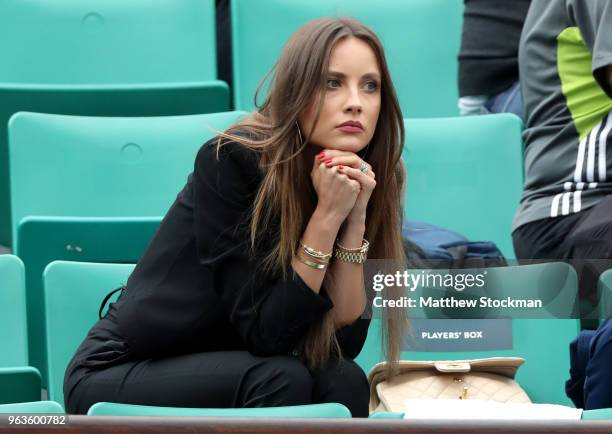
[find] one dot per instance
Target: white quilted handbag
(487, 379)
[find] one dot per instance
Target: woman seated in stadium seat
(251, 293)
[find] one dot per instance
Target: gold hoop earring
(299, 133)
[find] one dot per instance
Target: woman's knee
(345, 371)
(276, 381)
(343, 381)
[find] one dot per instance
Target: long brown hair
(286, 192)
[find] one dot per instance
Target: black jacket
(198, 287)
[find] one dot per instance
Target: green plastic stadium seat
(601, 413)
(421, 40)
(533, 339)
(109, 42)
(101, 58)
(94, 189)
(13, 325)
(100, 239)
(132, 166)
(73, 293)
(32, 407)
(604, 288)
(322, 411)
(19, 384)
(465, 174)
(386, 415)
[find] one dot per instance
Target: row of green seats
(134, 167)
(73, 291)
(110, 43)
(103, 58)
(332, 410)
(319, 411)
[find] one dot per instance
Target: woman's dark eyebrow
(373, 75)
(367, 75)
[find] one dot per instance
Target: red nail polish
(321, 155)
(328, 161)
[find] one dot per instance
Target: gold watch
(356, 256)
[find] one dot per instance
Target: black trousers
(231, 379)
(583, 239)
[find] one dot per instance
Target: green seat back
(604, 288)
(533, 339)
(13, 324)
(465, 174)
(73, 293)
(94, 189)
(421, 40)
(153, 99)
(42, 240)
(132, 166)
(19, 384)
(105, 58)
(321, 411)
(32, 407)
(108, 42)
(600, 413)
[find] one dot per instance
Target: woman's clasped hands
(343, 183)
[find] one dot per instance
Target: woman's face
(351, 99)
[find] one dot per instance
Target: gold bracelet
(310, 263)
(315, 253)
(365, 245)
(356, 256)
(316, 258)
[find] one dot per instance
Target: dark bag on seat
(430, 246)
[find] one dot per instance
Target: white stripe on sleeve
(554, 207)
(565, 209)
(577, 201)
(603, 139)
(580, 160)
(592, 137)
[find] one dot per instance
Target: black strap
(108, 296)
